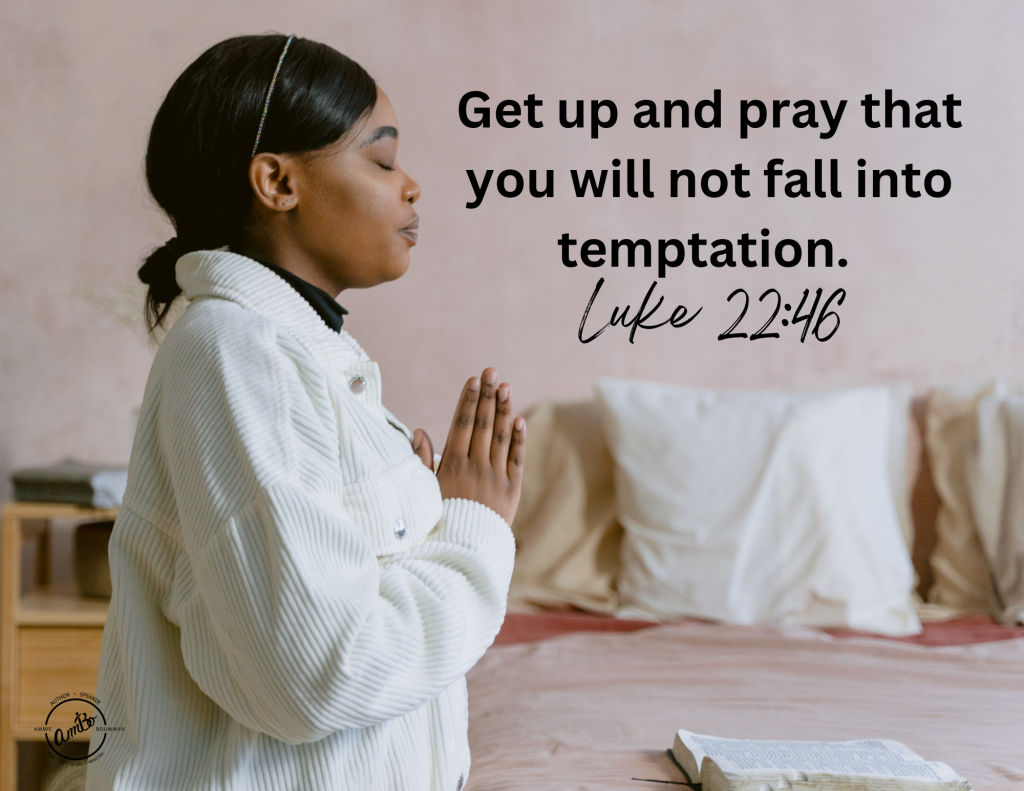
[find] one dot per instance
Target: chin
(391, 270)
(399, 267)
(377, 271)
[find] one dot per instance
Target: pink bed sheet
(526, 628)
(594, 710)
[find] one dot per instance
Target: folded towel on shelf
(72, 481)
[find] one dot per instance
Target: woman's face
(354, 220)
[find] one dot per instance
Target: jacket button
(458, 785)
(357, 385)
(400, 528)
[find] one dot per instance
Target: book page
(874, 757)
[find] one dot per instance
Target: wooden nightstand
(50, 637)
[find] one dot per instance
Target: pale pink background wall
(936, 289)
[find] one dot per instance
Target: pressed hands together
(485, 450)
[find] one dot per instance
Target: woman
(297, 597)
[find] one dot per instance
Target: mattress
(597, 709)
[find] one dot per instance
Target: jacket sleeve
(289, 621)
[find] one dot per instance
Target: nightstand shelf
(50, 636)
(61, 605)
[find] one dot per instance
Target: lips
(412, 231)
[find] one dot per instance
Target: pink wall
(936, 289)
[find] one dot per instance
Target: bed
(596, 710)
(572, 697)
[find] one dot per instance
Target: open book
(869, 765)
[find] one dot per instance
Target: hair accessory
(270, 91)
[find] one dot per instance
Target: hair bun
(154, 270)
(158, 273)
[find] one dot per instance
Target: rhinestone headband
(270, 92)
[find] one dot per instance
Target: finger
(461, 430)
(517, 451)
(423, 447)
(501, 435)
(480, 445)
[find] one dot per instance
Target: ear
(273, 181)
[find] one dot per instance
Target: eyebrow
(380, 132)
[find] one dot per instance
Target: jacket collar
(250, 284)
(324, 304)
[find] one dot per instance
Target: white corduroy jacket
(294, 605)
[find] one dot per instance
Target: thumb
(422, 447)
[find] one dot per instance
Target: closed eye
(385, 166)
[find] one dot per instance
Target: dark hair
(200, 146)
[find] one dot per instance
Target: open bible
(870, 765)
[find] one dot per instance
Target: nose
(410, 190)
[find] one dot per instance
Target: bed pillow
(760, 507)
(567, 537)
(963, 582)
(996, 482)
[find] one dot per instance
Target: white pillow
(995, 480)
(760, 507)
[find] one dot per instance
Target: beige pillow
(996, 482)
(567, 538)
(962, 578)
